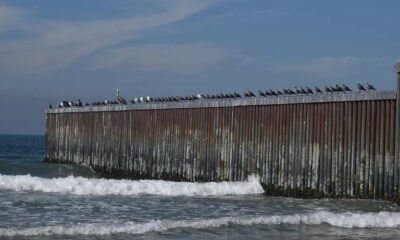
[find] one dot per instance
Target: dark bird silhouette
(346, 88)
(51, 107)
(252, 94)
(87, 104)
(370, 87)
(261, 93)
(328, 89)
(64, 104)
(318, 90)
(278, 92)
(237, 95)
(79, 103)
(272, 93)
(303, 90)
(339, 88)
(297, 90)
(309, 90)
(360, 87)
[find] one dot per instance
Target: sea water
(59, 201)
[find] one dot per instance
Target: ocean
(58, 201)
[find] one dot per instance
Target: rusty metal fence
(337, 145)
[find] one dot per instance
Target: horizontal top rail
(207, 103)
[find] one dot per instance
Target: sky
(68, 50)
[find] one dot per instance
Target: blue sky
(55, 50)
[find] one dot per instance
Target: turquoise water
(52, 201)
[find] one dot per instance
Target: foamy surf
(344, 220)
(85, 186)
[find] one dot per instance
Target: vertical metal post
(397, 139)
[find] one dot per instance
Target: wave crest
(344, 220)
(85, 186)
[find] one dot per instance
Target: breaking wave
(86, 186)
(344, 220)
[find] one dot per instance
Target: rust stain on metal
(338, 146)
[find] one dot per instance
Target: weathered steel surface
(338, 145)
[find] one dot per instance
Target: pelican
(120, 99)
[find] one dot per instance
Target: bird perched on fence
(297, 90)
(370, 87)
(338, 88)
(51, 107)
(249, 94)
(360, 87)
(328, 89)
(272, 93)
(346, 88)
(120, 99)
(309, 90)
(261, 93)
(318, 90)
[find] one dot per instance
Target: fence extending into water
(332, 144)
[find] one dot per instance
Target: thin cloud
(170, 58)
(333, 66)
(56, 45)
(8, 16)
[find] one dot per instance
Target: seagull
(237, 95)
(370, 87)
(360, 87)
(309, 90)
(297, 90)
(51, 107)
(339, 88)
(272, 92)
(318, 90)
(346, 88)
(79, 103)
(328, 89)
(261, 93)
(278, 92)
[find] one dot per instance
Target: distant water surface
(53, 201)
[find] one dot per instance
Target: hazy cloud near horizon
(55, 50)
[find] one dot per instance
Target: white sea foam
(344, 220)
(85, 186)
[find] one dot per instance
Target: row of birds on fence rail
(267, 93)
